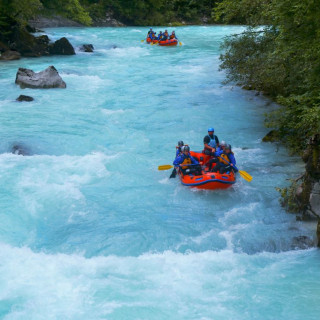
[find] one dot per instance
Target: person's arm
(218, 152)
(193, 160)
(177, 161)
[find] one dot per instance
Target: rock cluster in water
(48, 78)
(18, 41)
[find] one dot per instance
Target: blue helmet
(211, 130)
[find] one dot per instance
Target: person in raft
(151, 34)
(215, 158)
(160, 35)
(178, 148)
(227, 161)
(184, 160)
(165, 35)
(173, 35)
(211, 142)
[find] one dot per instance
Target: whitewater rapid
(90, 229)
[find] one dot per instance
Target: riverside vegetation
(281, 59)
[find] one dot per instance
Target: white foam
(110, 112)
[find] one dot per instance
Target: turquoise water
(90, 229)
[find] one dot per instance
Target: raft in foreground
(207, 180)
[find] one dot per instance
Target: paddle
(165, 167)
(173, 173)
(168, 166)
(245, 175)
(142, 40)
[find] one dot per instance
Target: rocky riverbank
(56, 21)
(303, 196)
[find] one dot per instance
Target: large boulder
(48, 78)
(10, 55)
(62, 46)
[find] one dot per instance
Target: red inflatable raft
(148, 40)
(207, 180)
(171, 42)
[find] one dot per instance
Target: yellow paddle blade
(180, 43)
(165, 167)
(142, 40)
(245, 175)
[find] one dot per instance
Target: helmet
(211, 130)
(223, 143)
(228, 146)
(185, 148)
(180, 143)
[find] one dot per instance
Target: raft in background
(170, 42)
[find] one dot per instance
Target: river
(90, 229)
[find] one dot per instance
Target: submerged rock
(62, 47)
(19, 149)
(48, 78)
(302, 242)
(24, 98)
(87, 48)
(10, 55)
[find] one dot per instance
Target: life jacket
(172, 36)
(224, 159)
(185, 162)
(166, 34)
(213, 142)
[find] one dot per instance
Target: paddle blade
(142, 40)
(245, 175)
(180, 43)
(165, 167)
(173, 173)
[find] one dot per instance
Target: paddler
(184, 160)
(227, 161)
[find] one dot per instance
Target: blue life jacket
(213, 142)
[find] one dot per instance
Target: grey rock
(107, 21)
(48, 78)
(302, 242)
(62, 47)
(52, 22)
(87, 48)
(314, 199)
(10, 55)
(24, 98)
(318, 233)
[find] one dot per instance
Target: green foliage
(20, 10)
(288, 197)
(71, 9)
(250, 12)
(282, 60)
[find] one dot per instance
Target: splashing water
(90, 229)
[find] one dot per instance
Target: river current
(90, 229)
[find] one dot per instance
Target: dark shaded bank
(282, 60)
(16, 40)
